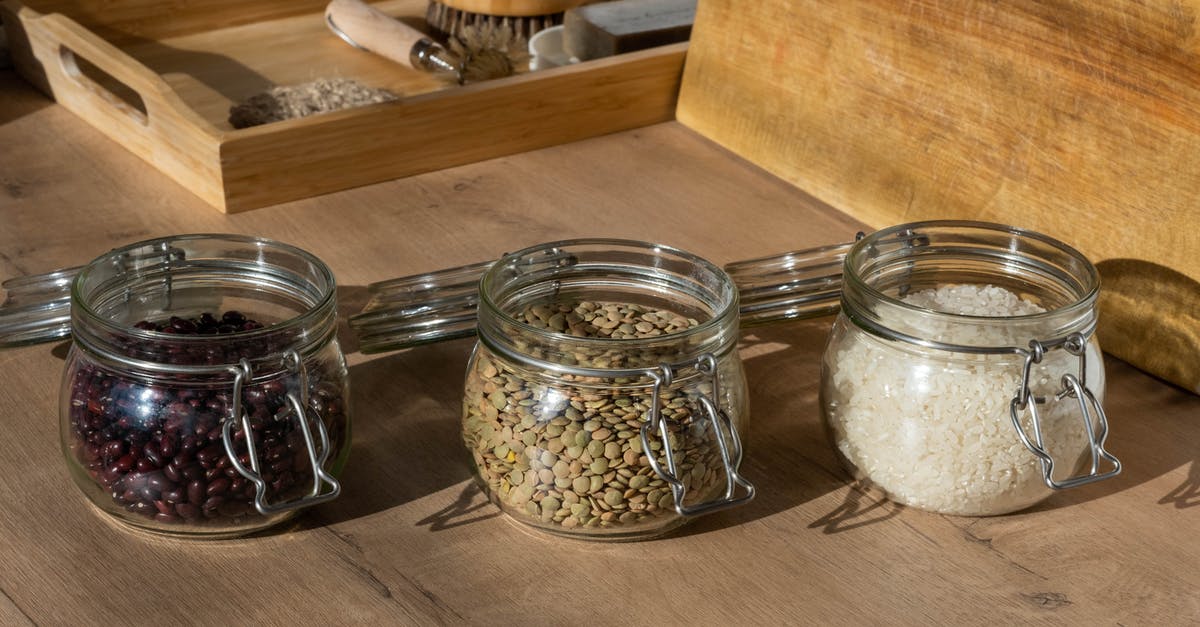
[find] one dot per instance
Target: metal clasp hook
(1074, 387)
(728, 442)
(297, 409)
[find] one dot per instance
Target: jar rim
(326, 295)
(728, 308)
(1089, 282)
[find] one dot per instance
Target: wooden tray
(161, 82)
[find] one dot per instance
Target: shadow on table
(858, 509)
(21, 100)
(406, 441)
(406, 431)
(1187, 494)
(787, 454)
(1149, 444)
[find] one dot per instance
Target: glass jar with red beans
(205, 393)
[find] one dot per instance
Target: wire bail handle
(1075, 387)
(731, 450)
(296, 408)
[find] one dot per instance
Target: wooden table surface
(413, 541)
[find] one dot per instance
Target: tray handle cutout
(105, 85)
(96, 79)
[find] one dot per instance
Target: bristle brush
(476, 54)
(522, 17)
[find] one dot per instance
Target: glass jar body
(574, 431)
(933, 430)
(149, 450)
(919, 402)
(565, 453)
(203, 433)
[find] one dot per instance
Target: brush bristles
(450, 21)
(490, 52)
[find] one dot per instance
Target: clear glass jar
(181, 347)
(596, 437)
(962, 375)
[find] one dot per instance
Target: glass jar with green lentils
(605, 395)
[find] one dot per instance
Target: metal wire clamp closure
(1075, 387)
(297, 409)
(728, 443)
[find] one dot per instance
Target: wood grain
(167, 100)
(1077, 119)
(412, 540)
(132, 21)
(10, 614)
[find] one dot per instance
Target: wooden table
(413, 541)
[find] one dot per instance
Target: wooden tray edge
(301, 158)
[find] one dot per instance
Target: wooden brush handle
(513, 8)
(374, 30)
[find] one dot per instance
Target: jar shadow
(1187, 494)
(859, 508)
(406, 441)
(1149, 444)
(406, 425)
(787, 454)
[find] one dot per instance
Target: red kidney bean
(219, 485)
(157, 481)
(113, 449)
(196, 491)
(192, 472)
(171, 471)
(208, 455)
(212, 503)
(157, 449)
(150, 453)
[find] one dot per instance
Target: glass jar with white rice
(962, 375)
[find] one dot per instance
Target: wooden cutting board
(1080, 119)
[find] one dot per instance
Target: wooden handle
(59, 42)
(75, 43)
(373, 30)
